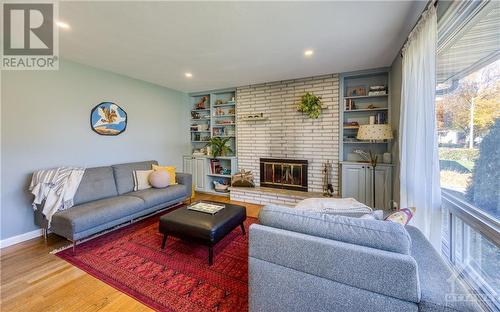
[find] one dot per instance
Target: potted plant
(310, 105)
(219, 146)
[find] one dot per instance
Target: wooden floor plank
(32, 279)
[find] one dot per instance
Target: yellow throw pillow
(169, 169)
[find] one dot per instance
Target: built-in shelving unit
(357, 109)
(202, 168)
(216, 119)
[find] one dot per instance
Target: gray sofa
(306, 261)
(105, 199)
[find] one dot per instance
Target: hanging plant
(310, 105)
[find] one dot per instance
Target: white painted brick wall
(264, 198)
(288, 133)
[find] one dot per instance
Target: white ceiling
(227, 44)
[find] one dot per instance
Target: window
(468, 120)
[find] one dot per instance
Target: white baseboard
(20, 238)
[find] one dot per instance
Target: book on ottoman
(206, 207)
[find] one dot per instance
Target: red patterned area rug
(177, 278)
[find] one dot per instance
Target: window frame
(474, 217)
(485, 225)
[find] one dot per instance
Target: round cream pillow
(159, 179)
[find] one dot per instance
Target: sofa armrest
(387, 273)
(185, 179)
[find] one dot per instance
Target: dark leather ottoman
(202, 228)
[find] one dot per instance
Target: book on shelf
(215, 166)
(349, 104)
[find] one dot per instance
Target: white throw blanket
(345, 206)
(56, 187)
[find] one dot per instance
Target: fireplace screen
(284, 173)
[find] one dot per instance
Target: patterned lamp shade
(375, 132)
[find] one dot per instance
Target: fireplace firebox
(288, 174)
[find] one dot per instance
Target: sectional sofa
(307, 261)
(106, 198)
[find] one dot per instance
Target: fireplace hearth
(288, 174)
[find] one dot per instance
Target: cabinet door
(353, 182)
(200, 173)
(383, 187)
(187, 165)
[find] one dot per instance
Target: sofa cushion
(377, 234)
(153, 197)
(92, 214)
(123, 174)
(436, 279)
(97, 183)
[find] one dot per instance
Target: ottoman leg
(164, 241)
(210, 255)
(243, 228)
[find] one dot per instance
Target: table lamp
(374, 132)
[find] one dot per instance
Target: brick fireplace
(285, 133)
(290, 174)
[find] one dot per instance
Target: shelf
(200, 141)
(365, 96)
(362, 162)
(351, 127)
(224, 116)
(201, 131)
(226, 194)
(225, 105)
(201, 119)
(210, 157)
(253, 118)
(201, 110)
(224, 136)
(364, 142)
(365, 110)
(221, 126)
(219, 175)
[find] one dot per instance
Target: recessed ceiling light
(62, 25)
(188, 75)
(308, 52)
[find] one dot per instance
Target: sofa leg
(74, 247)
(243, 229)
(45, 235)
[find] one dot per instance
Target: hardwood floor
(32, 279)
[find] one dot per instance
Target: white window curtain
(419, 164)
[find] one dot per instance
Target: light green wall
(45, 123)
